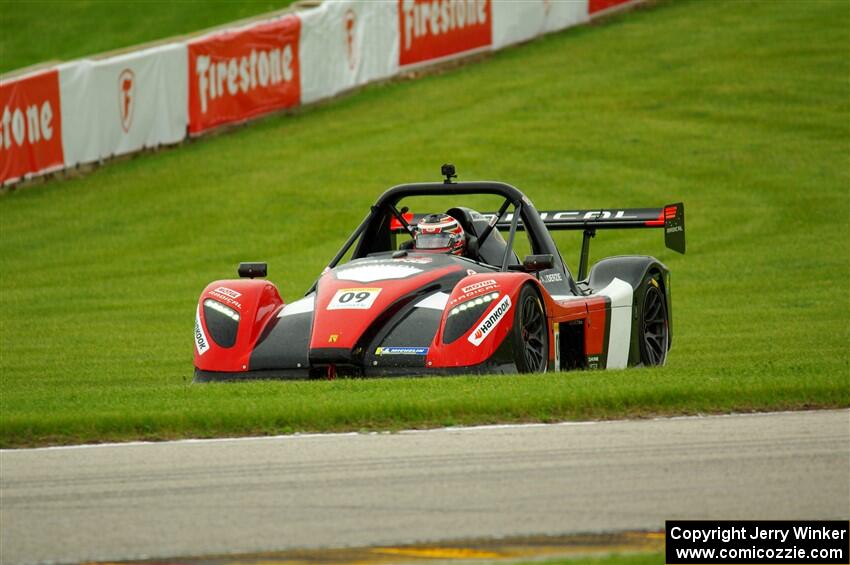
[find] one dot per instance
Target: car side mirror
(252, 270)
(537, 263)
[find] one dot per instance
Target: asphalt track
(245, 495)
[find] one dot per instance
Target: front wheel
(530, 333)
(654, 330)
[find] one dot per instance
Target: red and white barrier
(90, 110)
(123, 104)
(515, 21)
(30, 126)
(238, 74)
(346, 44)
(435, 30)
(596, 8)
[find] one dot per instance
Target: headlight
(219, 307)
(222, 322)
(462, 317)
(481, 300)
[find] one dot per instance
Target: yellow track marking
(439, 552)
(502, 550)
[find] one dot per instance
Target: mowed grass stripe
(99, 277)
(38, 31)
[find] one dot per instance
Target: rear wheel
(530, 333)
(654, 330)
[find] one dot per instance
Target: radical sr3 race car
(395, 310)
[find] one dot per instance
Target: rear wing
(671, 218)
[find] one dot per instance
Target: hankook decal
(202, 344)
(490, 322)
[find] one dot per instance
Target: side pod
(477, 323)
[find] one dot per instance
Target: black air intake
(222, 322)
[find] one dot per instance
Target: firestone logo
(126, 97)
(237, 75)
(440, 17)
(26, 125)
(431, 29)
(30, 125)
(350, 21)
(229, 76)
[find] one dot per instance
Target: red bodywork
(342, 328)
(258, 303)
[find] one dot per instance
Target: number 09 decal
(354, 298)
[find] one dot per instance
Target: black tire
(530, 333)
(653, 326)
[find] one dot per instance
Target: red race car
(446, 293)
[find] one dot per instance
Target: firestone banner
(123, 104)
(90, 110)
(515, 21)
(345, 44)
(595, 7)
(239, 74)
(30, 126)
(437, 29)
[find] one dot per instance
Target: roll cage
(375, 233)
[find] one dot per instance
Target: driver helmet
(440, 233)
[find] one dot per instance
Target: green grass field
(746, 120)
(37, 31)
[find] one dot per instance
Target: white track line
(297, 436)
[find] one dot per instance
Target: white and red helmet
(440, 233)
